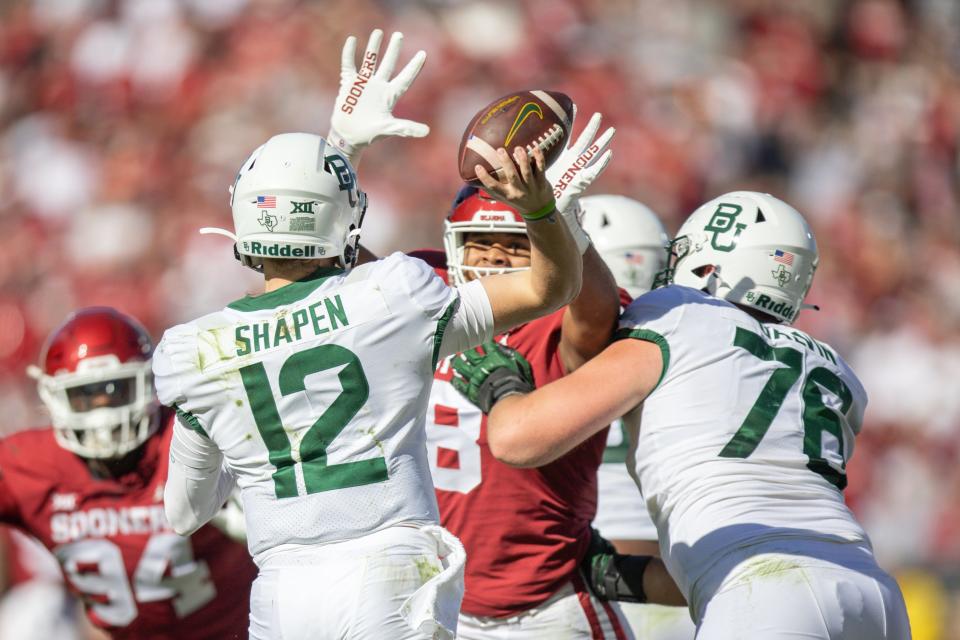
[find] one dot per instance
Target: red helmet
(475, 211)
(95, 380)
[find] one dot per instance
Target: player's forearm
(551, 282)
(592, 316)
(556, 267)
(535, 429)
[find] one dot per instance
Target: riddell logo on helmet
(282, 251)
(765, 302)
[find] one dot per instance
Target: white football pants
(569, 614)
(349, 590)
(803, 590)
(657, 622)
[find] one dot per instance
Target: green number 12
(312, 454)
(817, 417)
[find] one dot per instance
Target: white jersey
(747, 434)
(316, 394)
(621, 511)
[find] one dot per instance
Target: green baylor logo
(781, 275)
(345, 176)
(723, 221)
(267, 221)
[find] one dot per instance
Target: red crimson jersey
(137, 578)
(525, 530)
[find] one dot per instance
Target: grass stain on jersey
(379, 443)
(766, 567)
(426, 568)
(658, 616)
(212, 346)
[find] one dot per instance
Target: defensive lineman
(90, 489)
(747, 425)
(500, 513)
(525, 530)
(313, 394)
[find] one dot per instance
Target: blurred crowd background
(122, 123)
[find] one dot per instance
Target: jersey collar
(287, 294)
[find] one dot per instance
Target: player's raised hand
(522, 184)
(363, 111)
(580, 163)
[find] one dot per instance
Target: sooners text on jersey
(137, 578)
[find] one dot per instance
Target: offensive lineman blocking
(747, 427)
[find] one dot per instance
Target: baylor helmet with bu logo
(762, 251)
(296, 197)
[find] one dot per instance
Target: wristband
(539, 214)
(336, 140)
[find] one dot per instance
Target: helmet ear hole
(703, 270)
(760, 216)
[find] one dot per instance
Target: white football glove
(364, 108)
(575, 170)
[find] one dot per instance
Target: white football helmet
(762, 250)
(629, 237)
(296, 197)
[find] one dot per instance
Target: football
(526, 118)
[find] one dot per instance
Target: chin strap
(244, 260)
(814, 307)
(214, 231)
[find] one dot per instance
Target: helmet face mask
(475, 212)
(629, 237)
(296, 197)
(96, 383)
(762, 253)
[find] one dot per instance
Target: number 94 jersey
(136, 577)
(747, 434)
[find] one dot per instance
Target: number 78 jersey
(316, 394)
(747, 434)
